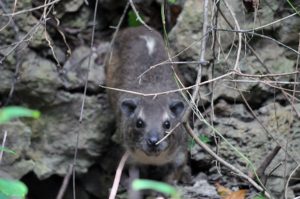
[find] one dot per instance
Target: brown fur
(130, 58)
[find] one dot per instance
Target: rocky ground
(51, 78)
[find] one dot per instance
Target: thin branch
(31, 9)
(239, 35)
(83, 100)
(137, 15)
(273, 22)
(260, 35)
(264, 81)
(297, 66)
(65, 183)
(168, 133)
(170, 91)
(10, 18)
(117, 179)
(288, 181)
(267, 75)
(262, 168)
(3, 145)
(290, 137)
(215, 37)
(116, 33)
(202, 57)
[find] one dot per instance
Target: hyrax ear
(128, 106)
(177, 108)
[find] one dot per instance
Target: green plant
(172, 1)
(141, 184)
(13, 188)
(203, 138)
(295, 8)
(132, 19)
(11, 112)
(260, 196)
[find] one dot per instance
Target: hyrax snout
(149, 125)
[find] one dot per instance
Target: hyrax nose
(152, 140)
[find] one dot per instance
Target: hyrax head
(146, 121)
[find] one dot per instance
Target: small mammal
(145, 120)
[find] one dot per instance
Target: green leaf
(203, 138)
(7, 150)
(12, 188)
(12, 112)
(260, 196)
(172, 1)
(141, 184)
(132, 19)
(191, 143)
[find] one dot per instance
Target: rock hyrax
(144, 121)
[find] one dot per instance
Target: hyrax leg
(134, 173)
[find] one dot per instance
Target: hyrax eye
(140, 123)
(166, 124)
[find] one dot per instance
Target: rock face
(185, 39)
(277, 121)
(250, 138)
(46, 146)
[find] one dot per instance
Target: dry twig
(117, 179)
(32, 9)
(138, 17)
(65, 183)
(202, 57)
(236, 65)
(83, 100)
(3, 145)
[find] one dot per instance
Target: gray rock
(200, 189)
(18, 140)
(49, 143)
(188, 29)
(187, 34)
(72, 6)
(76, 68)
(249, 138)
(79, 20)
(54, 145)
(289, 32)
(38, 80)
(6, 77)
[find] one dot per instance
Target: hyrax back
(143, 121)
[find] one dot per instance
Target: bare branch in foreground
(117, 179)
(65, 183)
(3, 145)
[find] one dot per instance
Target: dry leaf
(226, 193)
(240, 194)
(223, 191)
